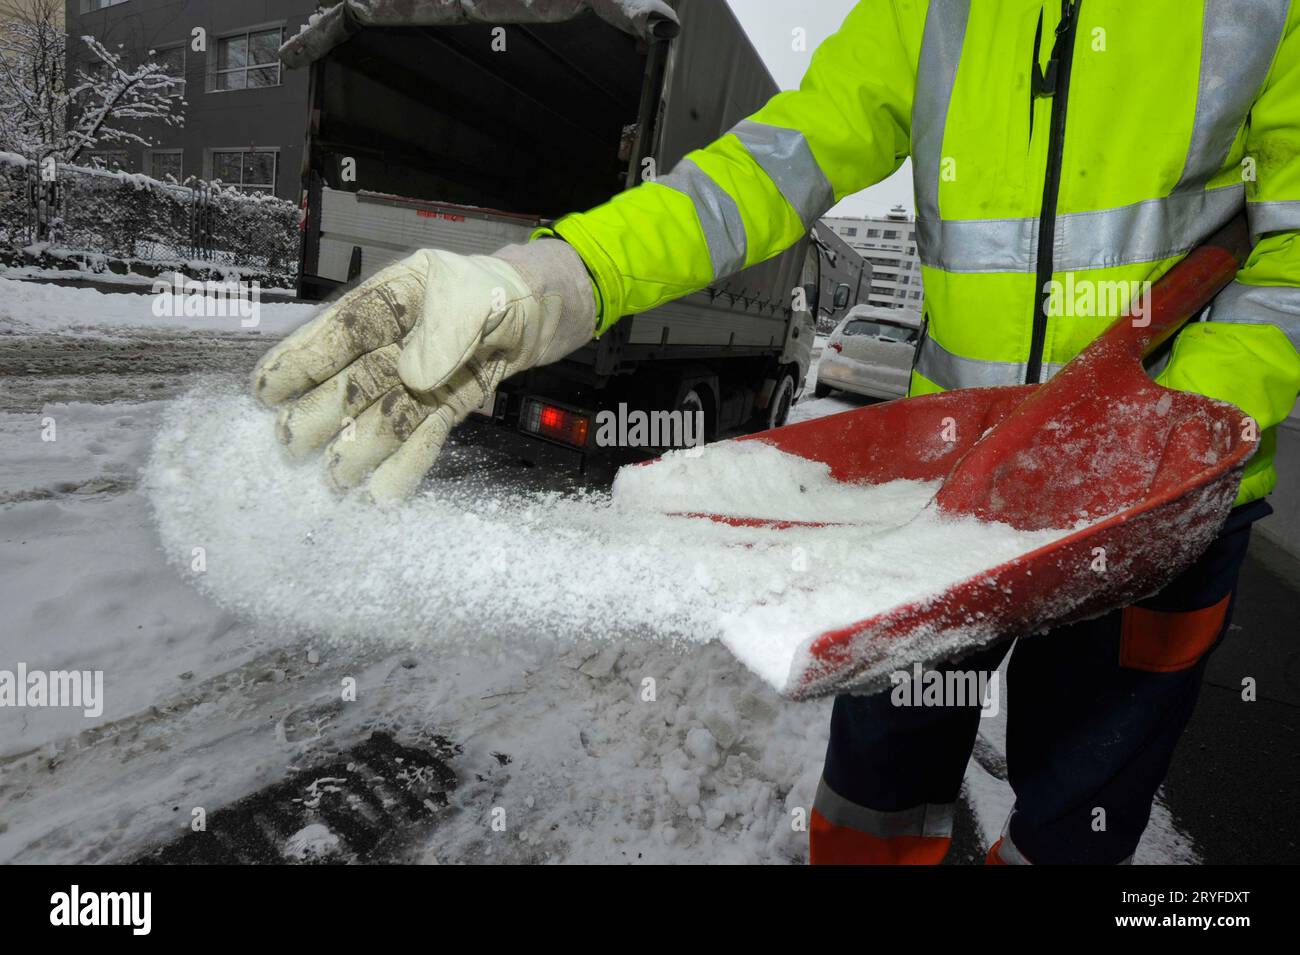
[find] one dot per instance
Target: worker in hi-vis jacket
(1095, 139)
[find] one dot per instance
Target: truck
(467, 126)
(845, 279)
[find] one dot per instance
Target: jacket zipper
(1054, 82)
(1035, 77)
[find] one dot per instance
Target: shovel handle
(1185, 289)
(1082, 394)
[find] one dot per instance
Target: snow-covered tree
(108, 102)
(44, 111)
(32, 70)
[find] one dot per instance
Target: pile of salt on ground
(467, 563)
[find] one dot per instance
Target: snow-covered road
(572, 750)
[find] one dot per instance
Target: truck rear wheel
(692, 404)
(778, 409)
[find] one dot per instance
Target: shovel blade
(1110, 564)
(1157, 521)
(1139, 478)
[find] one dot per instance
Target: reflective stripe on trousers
(1006, 852)
(844, 833)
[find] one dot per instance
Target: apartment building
(889, 244)
(12, 11)
(245, 116)
(19, 8)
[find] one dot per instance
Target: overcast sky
(770, 25)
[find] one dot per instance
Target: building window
(873, 233)
(247, 61)
(114, 159)
(911, 237)
(164, 163)
(89, 5)
(249, 169)
(172, 61)
(96, 70)
(891, 233)
(851, 230)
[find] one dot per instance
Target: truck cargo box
(464, 127)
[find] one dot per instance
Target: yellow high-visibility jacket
(1083, 140)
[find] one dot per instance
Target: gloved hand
(384, 374)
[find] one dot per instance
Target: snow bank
(28, 308)
(479, 561)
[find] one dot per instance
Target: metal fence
(63, 212)
(15, 203)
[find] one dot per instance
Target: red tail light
(837, 347)
(555, 423)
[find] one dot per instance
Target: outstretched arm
(753, 193)
(379, 379)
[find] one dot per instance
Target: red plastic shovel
(1155, 471)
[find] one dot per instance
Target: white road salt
(757, 480)
(476, 562)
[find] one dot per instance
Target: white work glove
(384, 374)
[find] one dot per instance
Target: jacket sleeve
(1246, 353)
(756, 191)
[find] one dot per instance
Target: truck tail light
(555, 423)
(836, 347)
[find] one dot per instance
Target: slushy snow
(478, 557)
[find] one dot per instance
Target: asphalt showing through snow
(1235, 776)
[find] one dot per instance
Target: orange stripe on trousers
(837, 845)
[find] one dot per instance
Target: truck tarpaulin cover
(326, 30)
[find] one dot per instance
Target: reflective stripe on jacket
(1154, 124)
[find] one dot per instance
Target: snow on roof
(327, 29)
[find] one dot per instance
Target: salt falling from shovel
(478, 563)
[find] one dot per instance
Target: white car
(870, 353)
